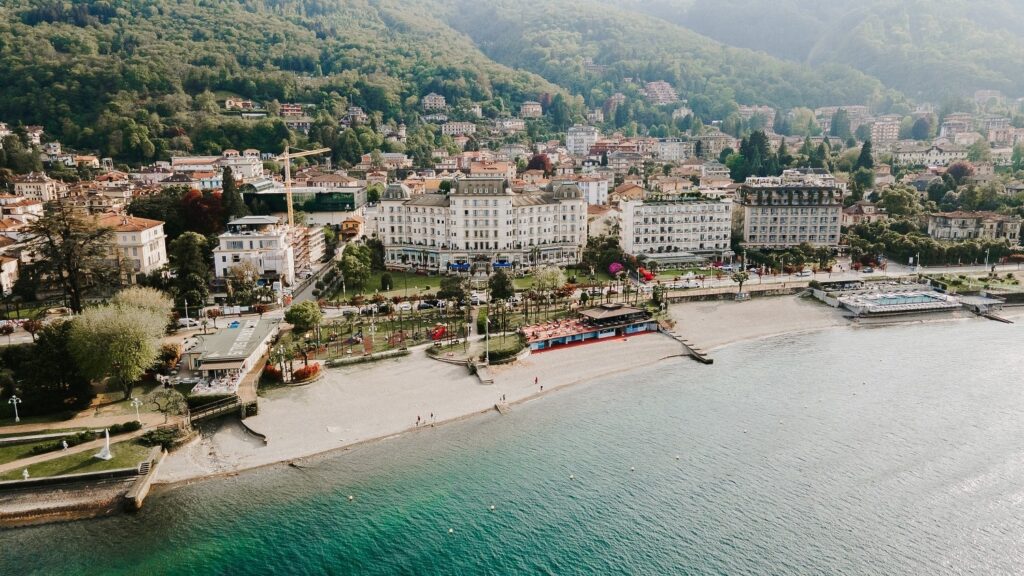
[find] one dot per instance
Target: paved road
(306, 294)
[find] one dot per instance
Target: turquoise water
(894, 450)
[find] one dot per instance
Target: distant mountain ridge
(928, 49)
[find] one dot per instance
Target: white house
(140, 243)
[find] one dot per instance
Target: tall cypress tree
(866, 160)
(231, 198)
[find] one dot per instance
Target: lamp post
(186, 313)
(987, 250)
(14, 401)
(136, 402)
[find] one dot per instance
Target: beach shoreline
(366, 403)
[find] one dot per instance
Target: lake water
(896, 450)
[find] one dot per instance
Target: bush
(306, 373)
(481, 321)
(163, 437)
(385, 282)
(126, 427)
(272, 374)
(73, 440)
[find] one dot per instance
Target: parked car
(405, 306)
(425, 305)
(867, 270)
(804, 273)
(478, 298)
(187, 323)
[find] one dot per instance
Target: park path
(92, 445)
(148, 419)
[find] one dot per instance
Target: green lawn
(1006, 282)
(402, 283)
(18, 451)
(126, 455)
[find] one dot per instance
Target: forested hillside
(136, 78)
(924, 48)
(554, 42)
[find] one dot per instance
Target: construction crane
(287, 158)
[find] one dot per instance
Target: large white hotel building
(482, 221)
(677, 229)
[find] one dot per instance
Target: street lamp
(136, 402)
(14, 401)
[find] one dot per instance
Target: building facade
(531, 109)
(974, 225)
(263, 241)
(482, 221)
(778, 215)
(40, 186)
(140, 243)
(676, 228)
(579, 139)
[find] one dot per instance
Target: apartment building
(780, 213)
(263, 241)
(676, 229)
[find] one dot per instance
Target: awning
(222, 365)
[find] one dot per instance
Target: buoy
(451, 531)
(631, 469)
(351, 498)
(572, 476)
(677, 456)
(744, 431)
(492, 507)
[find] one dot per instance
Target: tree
(169, 401)
(373, 192)
(213, 314)
(865, 160)
(540, 162)
(980, 151)
(1017, 158)
(231, 201)
(960, 171)
(900, 201)
(32, 326)
(243, 284)
(385, 282)
(142, 298)
(841, 124)
(922, 128)
(304, 317)
(500, 285)
(73, 251)
(116, 341)
(452, 288)
(355, 265)
(191, 272)
(740, 277)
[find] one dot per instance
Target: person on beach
(535, 380)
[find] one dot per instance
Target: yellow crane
(287, 158)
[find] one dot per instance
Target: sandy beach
(352, 405)
(370, 401)
(716, 323)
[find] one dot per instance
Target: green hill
(554, 40)
(136, 78)
(928, 49)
